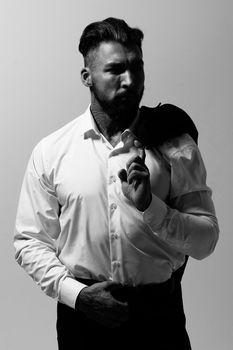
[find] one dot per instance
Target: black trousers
(157, 321)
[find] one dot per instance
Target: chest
(86, 173)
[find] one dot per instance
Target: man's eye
(116, 70)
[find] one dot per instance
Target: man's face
(117, 76)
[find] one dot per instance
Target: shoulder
(166, 121)
(180, 146)
(52, 147)
(65, 133)
(179, 120)
(188, 172)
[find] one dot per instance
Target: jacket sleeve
(187, 222)
(37, 228)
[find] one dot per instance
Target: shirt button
(113, 206)
(115, 236)
(116, 264)
(112, 179)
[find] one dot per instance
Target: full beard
(123, 109)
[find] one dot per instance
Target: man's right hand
(99, 304)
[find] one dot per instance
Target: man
(104, 222)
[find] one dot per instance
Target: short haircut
(110, 29)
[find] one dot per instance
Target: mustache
(127, 94)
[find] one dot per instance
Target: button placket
(114, 237)
(116, 264)
(117, 271)
(112, 179)
(113, 207)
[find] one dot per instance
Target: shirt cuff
(69, 290)
(154, 215)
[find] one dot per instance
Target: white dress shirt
(74, 221)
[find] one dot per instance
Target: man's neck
(111, 126)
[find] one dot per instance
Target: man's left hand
(135, 180)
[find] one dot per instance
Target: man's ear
(86, 77)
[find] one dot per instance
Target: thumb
(140, 150)
(122, 174)
(142, 153)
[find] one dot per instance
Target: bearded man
(106, 220)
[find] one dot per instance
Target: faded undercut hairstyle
(110, 29)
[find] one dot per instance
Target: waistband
(150, 290)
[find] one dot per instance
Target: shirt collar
(87, 126)
(89, 129)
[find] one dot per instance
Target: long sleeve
(36, 230)
(187, 222)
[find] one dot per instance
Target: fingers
(137, 144)
(140, 150)
(135, 167)
(115, 310)
(135, 175)
(122, 174)
(135, 170)
(136, 162)
(134, 159)
(98, 303)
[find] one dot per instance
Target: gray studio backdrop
(188, 62)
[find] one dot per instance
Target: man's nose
(127, 79)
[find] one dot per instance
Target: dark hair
(110, 29)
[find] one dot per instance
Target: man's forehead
(115, 51)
